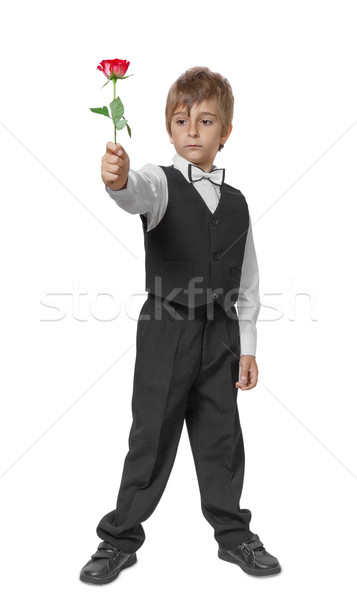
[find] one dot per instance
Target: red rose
(115, 67)
(114, 70)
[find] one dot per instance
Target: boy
(199, 258)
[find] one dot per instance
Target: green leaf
(126, 76)
(120, 124)
(116, 78)
(106, 83)
(117, 108)
(129, 130)
(101, 111)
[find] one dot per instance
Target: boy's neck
(205, 166)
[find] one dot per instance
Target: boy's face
(197, 138)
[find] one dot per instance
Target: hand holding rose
(115, 166)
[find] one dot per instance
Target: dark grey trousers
(185, 370)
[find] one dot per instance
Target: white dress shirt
(147, 193)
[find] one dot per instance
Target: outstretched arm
(137, 192)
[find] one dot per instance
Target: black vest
(194, 256)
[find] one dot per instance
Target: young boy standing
(200, 259)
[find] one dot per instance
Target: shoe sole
(225, 556)
(96, 581)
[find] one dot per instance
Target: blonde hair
(194, 86)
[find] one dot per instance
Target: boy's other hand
(249, 372)
(115, 166)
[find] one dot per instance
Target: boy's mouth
(193, 146)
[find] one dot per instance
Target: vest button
(215, 256)
(215, 296)
(215, 221)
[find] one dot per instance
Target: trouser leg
(160, 391)
(215, 434)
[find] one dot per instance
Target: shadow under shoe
(105, 564)
(252, 557)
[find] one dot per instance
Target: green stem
(115, 129)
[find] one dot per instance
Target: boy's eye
(182, 120)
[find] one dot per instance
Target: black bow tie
(196, 174)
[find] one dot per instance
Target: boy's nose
(193, 131)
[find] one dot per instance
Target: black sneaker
(252, 557)
(105, 564)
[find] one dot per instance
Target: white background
(67, 372)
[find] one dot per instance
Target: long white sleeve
(248, 302)
(146, 193)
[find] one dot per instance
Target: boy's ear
(225, 137)
(170, 136)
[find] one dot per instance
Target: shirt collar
(182, 165)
